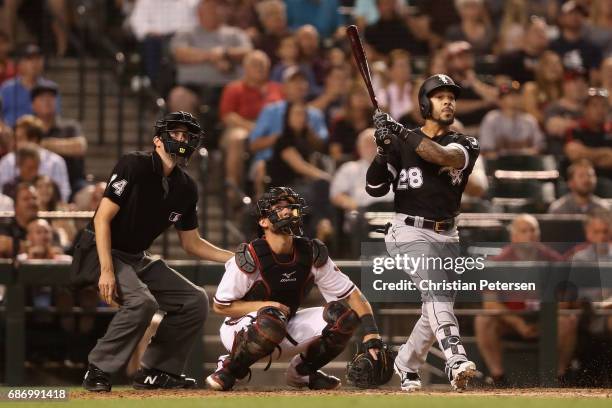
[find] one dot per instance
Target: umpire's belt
(437, 226)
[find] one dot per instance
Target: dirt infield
(124, 393)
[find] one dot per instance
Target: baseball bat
(361, 60)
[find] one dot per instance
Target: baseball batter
(260, 295)
(428, 168)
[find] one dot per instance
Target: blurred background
(275, 87)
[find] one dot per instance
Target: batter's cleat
(460, 374)
(96, 380)
(152, 379)
(409, 382)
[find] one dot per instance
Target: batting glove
(383, 120)
(382, 136)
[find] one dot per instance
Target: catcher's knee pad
(341, 323)
(257, 340)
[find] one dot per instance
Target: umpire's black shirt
(149, 202)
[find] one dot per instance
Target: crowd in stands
(534, 78)
(277, 91)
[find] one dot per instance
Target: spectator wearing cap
(562, 115)
(475, 27)
(581, 181)
(15, 92)
(591, 139)
(509, 130)
(208, 56)
(520, 65)
(241, 103)
(269, 124)
(7, 66)
(154, 22)
(383, 35)
(324, 15)
(30, 129)
(573, 46)
(288, 55)
(61, 136)
(477, 97)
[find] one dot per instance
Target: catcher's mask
(188, 123)
(281, 198)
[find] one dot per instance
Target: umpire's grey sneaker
(409, 382)
(460, 373)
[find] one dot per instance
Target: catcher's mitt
(365, 372)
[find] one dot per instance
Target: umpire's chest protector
(284, 282)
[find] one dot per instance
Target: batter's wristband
(368, 324)
(411, 138)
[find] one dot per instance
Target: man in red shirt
(241, 102)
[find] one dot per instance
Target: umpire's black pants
(144, 285)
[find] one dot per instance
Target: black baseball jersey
(425, 189)
(150, 202)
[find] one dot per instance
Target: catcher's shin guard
(257, 341)
(341, 323)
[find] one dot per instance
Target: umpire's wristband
(368, 324)
(411, 138)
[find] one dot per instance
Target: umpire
(147, 192)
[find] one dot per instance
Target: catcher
(260, 295)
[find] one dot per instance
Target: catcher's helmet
(431, 84)
(291, 225)
(170, 122)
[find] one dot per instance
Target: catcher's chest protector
(286, 283)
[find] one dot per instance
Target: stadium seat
(522, 195)
(522, 163)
